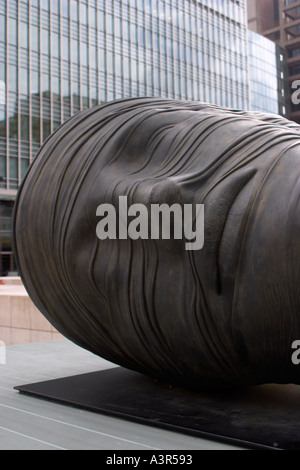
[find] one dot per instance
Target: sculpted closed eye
(164, 238)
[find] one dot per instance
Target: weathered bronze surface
(223, 316)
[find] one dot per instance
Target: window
(34, 83)
(295, 70)
(13, 168)
(45, 85)
(276, 10)
(2, 168)
(118, 65)
(24, 166)
(149, 37)
(85, 96)
(76, 100)
(109, 24)
(55, 45)
(294, 52)
(36, 135)
(2, 28)
(24, 35)
(142, 75)
(84, 54)
(133, 70)
(65, 48)
(45, 42)
(24, 127)
(66, 90)
(83, 13)
(34, 40)
(13, 126)
(92, 17)
(110, 64)
(46, 128)
(126, 67)
(55, 6)
(142, 37)
(65, 9)
(12, 31)
(125, 31)
(74, 10)
(94, 96)
(133, 29)
(93, 57)
(55, 87)
(149, 75)
(75, 52)
(13, 78)
(45, 4)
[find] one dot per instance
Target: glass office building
(267, 74)
(58, 57)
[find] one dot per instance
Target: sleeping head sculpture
(215, 313)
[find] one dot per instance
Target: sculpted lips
(222, 316)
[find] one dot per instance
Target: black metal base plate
(263, 417)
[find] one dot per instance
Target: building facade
(268, 70)
(58, 57)
(279, 21)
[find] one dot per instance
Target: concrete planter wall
(20, 321)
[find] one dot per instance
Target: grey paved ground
(27, 423)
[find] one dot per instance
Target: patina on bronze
(223, 316)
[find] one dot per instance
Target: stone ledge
(10, 281)
(20, 321)
(12, 336)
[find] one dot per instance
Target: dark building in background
(279, 21)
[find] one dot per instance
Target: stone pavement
(28, 423)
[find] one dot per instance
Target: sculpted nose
(158, 192)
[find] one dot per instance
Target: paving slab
(28, 423)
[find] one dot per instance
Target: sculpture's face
(221, 314)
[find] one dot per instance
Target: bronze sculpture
(222, 316)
